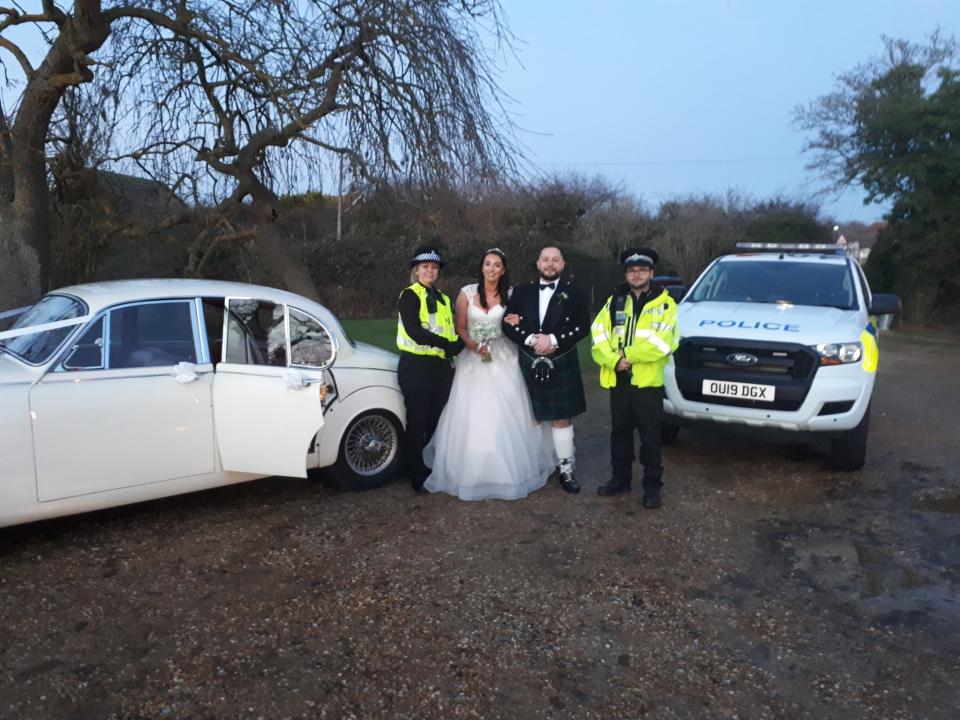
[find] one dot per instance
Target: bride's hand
(512, 319)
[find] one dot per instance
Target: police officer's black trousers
(425, 382)
(640, 409)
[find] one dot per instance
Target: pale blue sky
(685, 97)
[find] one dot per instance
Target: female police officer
(427, 340)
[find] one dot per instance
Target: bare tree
(24, 247)
(692, 232)
(222, 92)
(400, 90)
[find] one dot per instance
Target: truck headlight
(839, 353)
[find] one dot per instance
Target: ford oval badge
(742, 359)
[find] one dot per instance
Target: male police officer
(633, 337)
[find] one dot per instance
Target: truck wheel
(849, 451)
(669, 432)
(369, 452)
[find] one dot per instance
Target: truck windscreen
(796, 283)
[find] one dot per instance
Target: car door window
(310, 343)
(152, 334)
(256, 333)
(87, 352)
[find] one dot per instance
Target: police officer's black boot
(651, 488)
(613, 486)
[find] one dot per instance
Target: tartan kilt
(562, 398)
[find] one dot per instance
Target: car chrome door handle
(296, 381)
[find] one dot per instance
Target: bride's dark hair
(503, 286)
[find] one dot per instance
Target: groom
(553, 318)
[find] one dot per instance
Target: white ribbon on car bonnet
(15, 311)
(34, 329)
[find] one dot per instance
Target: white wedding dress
(488, 444)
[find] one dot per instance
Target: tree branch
(15, 17)
(21, 56)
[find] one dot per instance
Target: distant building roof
(139, 193)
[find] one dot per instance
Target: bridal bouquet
(483, 333)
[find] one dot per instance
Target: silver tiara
(431, 256)
(495, 250)
(637, 258)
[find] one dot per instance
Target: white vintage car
(119, 392)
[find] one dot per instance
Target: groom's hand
(542, 345)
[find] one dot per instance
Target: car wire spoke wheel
(371, 445)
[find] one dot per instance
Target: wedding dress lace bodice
(483, 326)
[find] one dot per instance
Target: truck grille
(795, 361)
(789, 367)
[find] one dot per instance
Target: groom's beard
(549, 278)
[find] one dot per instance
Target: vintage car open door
(269, 387)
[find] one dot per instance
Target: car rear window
(797, 283)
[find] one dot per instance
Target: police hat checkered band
(638, 259)
(431, 256)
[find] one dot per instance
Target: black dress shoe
(613, 487)
(651, 501)
(568, 482)
(419, 488)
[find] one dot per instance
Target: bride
(488, 444)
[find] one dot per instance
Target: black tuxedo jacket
(567, 318)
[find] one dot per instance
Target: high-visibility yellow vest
(439, 323)
(647, 341)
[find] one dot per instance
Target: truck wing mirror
(677, 291)
(885, 304)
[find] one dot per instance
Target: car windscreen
(36, 348)
(797, 283)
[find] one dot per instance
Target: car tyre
(370, 452)
(849, 451)
(669, 433)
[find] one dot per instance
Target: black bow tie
(544, 286)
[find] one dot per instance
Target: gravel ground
(766, 587)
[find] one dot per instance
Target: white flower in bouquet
(482, 334)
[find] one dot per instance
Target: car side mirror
(885, 304)
(677, 292)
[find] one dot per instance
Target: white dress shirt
(545, 295)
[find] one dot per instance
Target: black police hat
(643, 256)
(426, 253)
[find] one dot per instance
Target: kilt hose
(562, 397)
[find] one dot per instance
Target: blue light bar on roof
(779, 247)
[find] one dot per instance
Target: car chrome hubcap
(371, 445)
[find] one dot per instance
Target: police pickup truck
(782, 337)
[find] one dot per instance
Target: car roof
(781, 256)
(105, 294)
